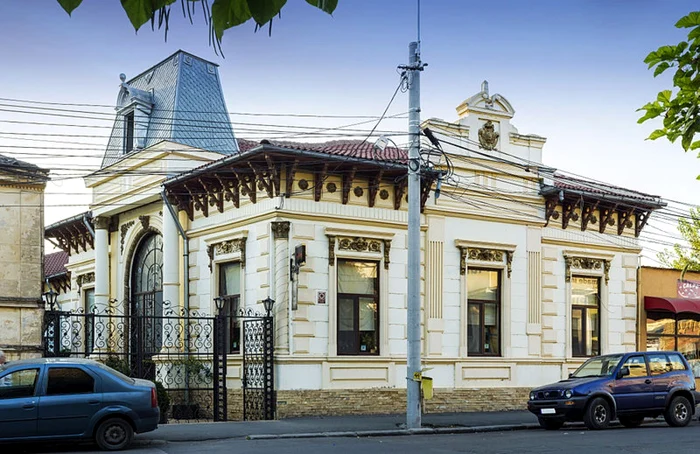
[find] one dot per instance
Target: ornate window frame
(588, 264)
(496, 256)
(358, 245)
(229, 248)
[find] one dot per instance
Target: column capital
(101, 222)
(280, 230)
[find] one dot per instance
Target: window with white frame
(483, 311)
(358, 307)
(230, 290)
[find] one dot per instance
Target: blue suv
(629, 387)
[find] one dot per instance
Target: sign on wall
(688, 289)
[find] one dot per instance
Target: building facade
(525, 271)
(21, 267)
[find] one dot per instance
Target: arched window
(147, 293)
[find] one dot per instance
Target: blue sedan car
(628, 386)
(68, 398)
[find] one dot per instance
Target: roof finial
(122, 77)
(485, 88)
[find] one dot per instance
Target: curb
(399, 432)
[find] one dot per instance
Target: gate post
(220, 389)
(270, 404)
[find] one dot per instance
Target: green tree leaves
(69, 5)
(679, 257)
(220, 14)
(679, 111)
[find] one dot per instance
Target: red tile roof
(355, 148)
(55, 263)
(579, 184)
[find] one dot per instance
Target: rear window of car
(676, 361)
(116, 373)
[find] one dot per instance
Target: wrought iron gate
(188, 354)
(259, 400)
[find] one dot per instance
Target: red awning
(675, 305)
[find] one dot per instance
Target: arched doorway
(147, 295)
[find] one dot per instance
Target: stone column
(101, 279)
(171, 262)
(280, 234)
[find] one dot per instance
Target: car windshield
(600, 366)
(118, 374)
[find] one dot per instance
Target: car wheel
(550, 424)
(114, 434)
(631, 421)
(597, 414)
(678, 413)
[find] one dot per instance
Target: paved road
(644, 440)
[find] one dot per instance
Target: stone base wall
(335, 402)
(20, 330)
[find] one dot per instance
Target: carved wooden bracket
(347, 185)
(568, 211)
(291, 171)
(623, 218)
(587, 215)
(227, 247)
(606, 218)
(319, 178)
(550, 206)
(640, 220)
(374, 184)
(399, 191)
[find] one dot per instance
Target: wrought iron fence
(185, 351)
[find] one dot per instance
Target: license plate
(548, 411)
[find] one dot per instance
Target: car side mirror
(623, 372)
(571, 375)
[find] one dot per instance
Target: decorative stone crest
(227, 247)
(358, 191)
(124, 229)
(586, 263)
(280, 230)
(303, 184)
(331, 187)
(145, 221)
(484, 255)
(86, 278)
(488, 137)
(359, 244)
(383, 194)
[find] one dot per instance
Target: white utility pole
(413, 410)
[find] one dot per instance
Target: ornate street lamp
(50, 298)
(268, 303)
(219, 301)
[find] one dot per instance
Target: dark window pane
(230, 279)
(358, 308)
(577, 337)
(474, 328)
(21, 383)
(68, 380)
(592, 331)
(491, 337)
(128, 132)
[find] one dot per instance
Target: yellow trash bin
(427, 386)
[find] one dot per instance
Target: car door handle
(93, 402)
(29, 406)
(647, 381)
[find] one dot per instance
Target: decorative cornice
(124, 229)
(227, 247)
(484, 255)
(86, 278)
(280, 230)
(359, 244)
(587, 263)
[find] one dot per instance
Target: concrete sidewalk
(375, 425)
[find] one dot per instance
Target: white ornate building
(525, 272)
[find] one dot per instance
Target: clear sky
(573, 70)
